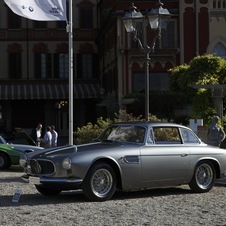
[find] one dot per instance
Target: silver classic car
(127, 156)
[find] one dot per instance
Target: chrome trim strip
(59, 150)
(60, 180)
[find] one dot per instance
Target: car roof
(150, 123)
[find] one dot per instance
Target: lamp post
(157, 20)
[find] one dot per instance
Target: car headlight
(66, 163)
(23, 161)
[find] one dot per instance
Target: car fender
(12, 154)
(215, 162)
(106, 159)
(123, 170)
(114, 164)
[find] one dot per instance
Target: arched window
(220, 50)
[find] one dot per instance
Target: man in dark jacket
(215, 134)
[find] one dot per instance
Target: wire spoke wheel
(204, 176)
(101, 182)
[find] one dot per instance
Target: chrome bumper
(42, 180)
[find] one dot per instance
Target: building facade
(196, 27)
(35, 73)
(107, 67)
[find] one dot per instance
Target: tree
(202, 70)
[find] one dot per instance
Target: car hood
(98, 146)
(74, 148)
(24, 147)
(53, 151)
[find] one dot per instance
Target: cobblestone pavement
(171, 206)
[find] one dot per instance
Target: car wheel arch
(115, 167)
(215, 163)
(217, 167)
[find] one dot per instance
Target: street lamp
(157, 20)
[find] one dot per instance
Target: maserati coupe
(128, 156)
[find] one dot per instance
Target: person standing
(215, 134)
(54, 136)
(48, 138)
(37, 134)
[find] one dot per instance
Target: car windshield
(124, 133)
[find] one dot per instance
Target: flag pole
(70, 41)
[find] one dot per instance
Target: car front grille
(43, 167)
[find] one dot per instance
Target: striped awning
(47, 91)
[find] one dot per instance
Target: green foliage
(90, 132)
(166, 134)
(202, 70)
(202, 107)
(122, 116)
(154, 118)
(179, 79)
(222, 73)
(205, 69)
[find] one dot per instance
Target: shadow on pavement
(36, 199)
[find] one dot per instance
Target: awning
(47, 91)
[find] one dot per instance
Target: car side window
(188, 136)
(167, 135)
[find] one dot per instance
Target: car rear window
(189, 137)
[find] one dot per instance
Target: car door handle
(184, 155)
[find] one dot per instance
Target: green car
(10, 153)
(9, 156)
